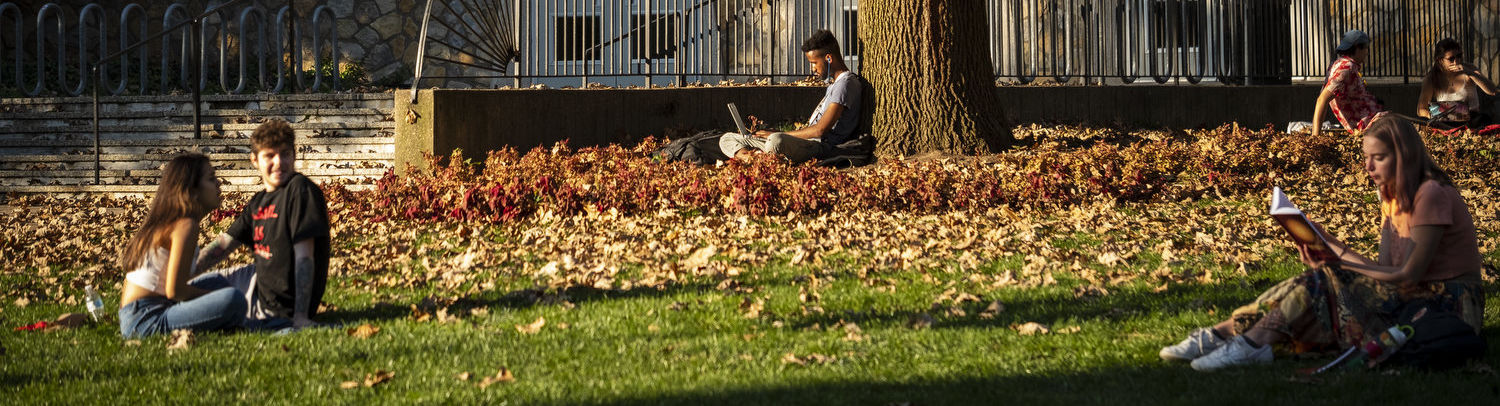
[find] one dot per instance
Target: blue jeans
(221, 308)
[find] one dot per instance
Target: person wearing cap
(1344, 91)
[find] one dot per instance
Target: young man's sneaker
(1198, 343)
(1237, 352)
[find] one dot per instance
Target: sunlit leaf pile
(1089, 204)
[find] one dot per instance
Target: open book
(1299, 229)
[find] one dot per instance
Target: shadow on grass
(517, 299)
(1155, 384)
(1058, 305)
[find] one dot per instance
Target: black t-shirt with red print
(270, 224)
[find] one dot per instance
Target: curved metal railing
(262, 41)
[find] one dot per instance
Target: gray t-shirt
(844, 91)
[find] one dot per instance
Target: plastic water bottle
(94, 302)
(1382, 347)
(1388, 342)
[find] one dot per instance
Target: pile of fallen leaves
(1091, 204)
(1055, 168)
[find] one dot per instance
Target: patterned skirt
(1332, 308)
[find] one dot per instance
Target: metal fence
(265, 49)
(1093, 41)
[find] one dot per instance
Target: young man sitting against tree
(832, 122)
(287, 227)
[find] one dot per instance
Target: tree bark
(934, 84)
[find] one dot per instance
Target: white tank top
(150, 274)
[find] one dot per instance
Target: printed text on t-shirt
(268, 212)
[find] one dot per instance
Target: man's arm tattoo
(303, 300)
(213, 254)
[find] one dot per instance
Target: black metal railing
(182, 44)
(268, 49)
(1089, 41)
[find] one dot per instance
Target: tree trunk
(934, 84)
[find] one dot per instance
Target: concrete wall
(483, 120)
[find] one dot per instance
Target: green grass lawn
(694, 344)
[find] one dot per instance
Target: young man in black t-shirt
(286, 228)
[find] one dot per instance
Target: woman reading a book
(1428, 250)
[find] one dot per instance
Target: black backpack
(701, 148)
(1440, 338)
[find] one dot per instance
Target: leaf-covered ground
(1059, 292)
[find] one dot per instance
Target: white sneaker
(1237, 352)
(1198, 343)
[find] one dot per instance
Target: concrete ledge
(483, 120)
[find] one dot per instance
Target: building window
(653, 36)
(577, 38)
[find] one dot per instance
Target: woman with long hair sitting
(1450, 92)
(1428, 251)
(158, 296)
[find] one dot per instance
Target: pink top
(1458, 250)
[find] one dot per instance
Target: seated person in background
(831, 124)
(158, 297)
(1450, 92)
(286, 228)
(1344, 91)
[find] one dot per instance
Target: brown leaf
(419, 315)
(994, 309)
(349, 385)
(752, 307)
(364, 331)
(378, 377)
(814, 358)
(1032, 328)
(71, 320)
(444, 317)
(532, 328)
(464, 376)
(23, 302)
(919, 321)
(501, 376)
(700, 258)
(180, 339)
(852, 332)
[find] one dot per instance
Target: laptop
(739, 123)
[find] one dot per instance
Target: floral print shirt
(1352, 104)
